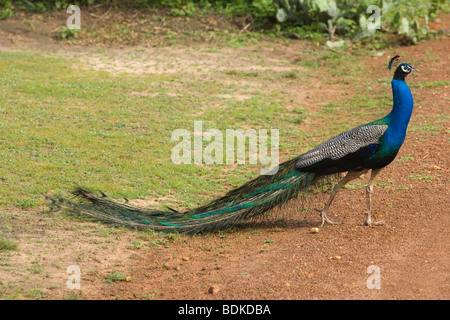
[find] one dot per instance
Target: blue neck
(401, 112)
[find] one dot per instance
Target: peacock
(371, 146)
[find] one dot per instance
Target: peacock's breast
(381, 159)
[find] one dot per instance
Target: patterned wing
(342, 145)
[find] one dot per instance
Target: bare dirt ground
(272, 259)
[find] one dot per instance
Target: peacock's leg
(369, 191)
(351, 175)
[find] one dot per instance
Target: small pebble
(314, 230)
(337, 258)
(213, 290)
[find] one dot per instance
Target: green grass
(63, 126)
(424, 177)
(115, 276)
(7, 245)
(430, 84)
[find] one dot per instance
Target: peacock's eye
(406, 69)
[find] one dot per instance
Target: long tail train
(250, 200)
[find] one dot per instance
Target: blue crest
(392, 60)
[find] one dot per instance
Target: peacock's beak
(414, 69)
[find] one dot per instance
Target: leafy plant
(405, 18)
(187, 10)
(350, 18)
(44, 5)
(115, 276)
(5, 9)
(65, 33)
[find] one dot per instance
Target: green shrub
(45, 5)
(349, 17)
(299, 18)
(5, 9)
(65, 33)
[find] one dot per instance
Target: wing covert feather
(343, 144)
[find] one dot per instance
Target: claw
(369, 222)
(324, 217)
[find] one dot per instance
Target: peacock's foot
(324, 217)
(369, 222)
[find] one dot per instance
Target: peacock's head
(402, 70)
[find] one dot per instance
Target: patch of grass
(239, 73)
(36, 267)
(65, 33)
(10, 292)
(429, 84)
(72, 295)
(7, 245)
(353, 186)
(405, 159)
(137, 245)
(115, 276)
(423, 177)
(289, 74)
(34, 294)
(424, 127)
